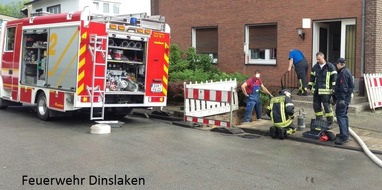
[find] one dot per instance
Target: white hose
(365, 149)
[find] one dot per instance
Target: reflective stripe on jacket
(280, 111)
(323, 80)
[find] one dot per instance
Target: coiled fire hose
(365, 149)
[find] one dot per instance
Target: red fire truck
(82, 61)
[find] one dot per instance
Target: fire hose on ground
(301, 125)
(365, 149)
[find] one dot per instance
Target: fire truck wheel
(42, 108)
(1, 104)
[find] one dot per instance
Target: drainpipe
(363, 37)
(361, 86)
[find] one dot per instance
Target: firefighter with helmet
(281, 110)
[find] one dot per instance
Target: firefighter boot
(281, 133)
(329, 119)
(273, 132)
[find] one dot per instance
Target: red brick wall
(373, 39)
(378, 48)
(231, 17)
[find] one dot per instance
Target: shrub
(189, 66)
(175, 93)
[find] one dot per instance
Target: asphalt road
(163, 156)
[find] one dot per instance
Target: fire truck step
(97, 118)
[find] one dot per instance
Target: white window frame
(344, 23)
(6, 48)
(116, 8)
(316, 33)
(56, 9)
(104, 6)
(96, 6)
(247, 52)
(193, 44)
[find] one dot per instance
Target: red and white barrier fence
(373, 83)
(208, 99)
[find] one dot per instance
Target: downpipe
(365, 149)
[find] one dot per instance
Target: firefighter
(281, 110)
(322, 82)
(298, 61)
(342, 95)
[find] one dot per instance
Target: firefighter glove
(341, 103)
(333, 100)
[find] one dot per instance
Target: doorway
(335, 38)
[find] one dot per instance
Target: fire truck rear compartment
(125, 68)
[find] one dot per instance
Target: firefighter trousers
(301, 69)
(318, 102)
(343, 120)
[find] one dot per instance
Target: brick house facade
(335, 28)
(373, 38)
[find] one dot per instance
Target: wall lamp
(301, 33)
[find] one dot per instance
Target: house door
(320, 40)
(335, 38)
(348, 42)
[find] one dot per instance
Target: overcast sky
(6, 1)
(139, 6)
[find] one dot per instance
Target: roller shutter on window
(207, 40)
(263, 37)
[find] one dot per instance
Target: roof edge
(31, 2)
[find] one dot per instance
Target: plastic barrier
(373, 83)
(208, 99)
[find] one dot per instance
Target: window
(54, 9)
(106, 8)
(116, 8)
(261, 44)
(10, 39)
(205, 41)
(38, 10)
(96, 6)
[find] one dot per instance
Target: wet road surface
(167, 157)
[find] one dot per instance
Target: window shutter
(263, 37)
(207, 40)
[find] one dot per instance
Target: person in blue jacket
(342, 96)
(298, 61)
(251, 89)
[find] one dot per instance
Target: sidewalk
(367, 125)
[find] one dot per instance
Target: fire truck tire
(1, 104)
(43, 111)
